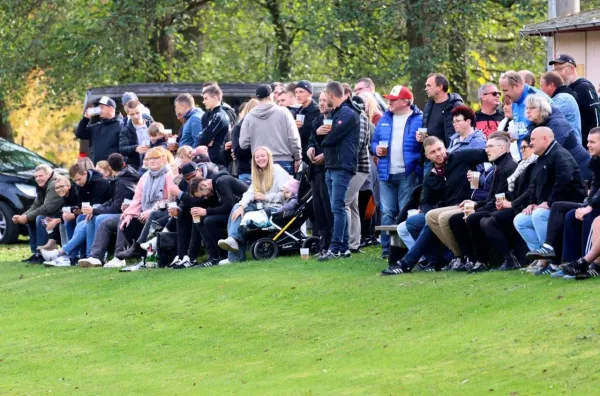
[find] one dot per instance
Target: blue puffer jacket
(411, 148)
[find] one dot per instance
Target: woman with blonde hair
(371, 107)
(237, 158)
(268, 179)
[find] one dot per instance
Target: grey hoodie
(273, 127)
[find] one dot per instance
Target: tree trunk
(458, 70)
(5, 129)
(417, 52)
(283, 49)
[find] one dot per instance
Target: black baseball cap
(263, 91)
(563, 58)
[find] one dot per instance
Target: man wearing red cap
(394, 142)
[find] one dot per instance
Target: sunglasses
(492, 93)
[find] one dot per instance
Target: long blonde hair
(371, 106)
(249, 105)
(262, 179)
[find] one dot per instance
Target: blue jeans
(426, 245)
(576, 233)
(533, 227)
(233, 231)
(338, 181)
(70, 227)
(92, 227)
(38, 235)
(287, 165)
(394, 193)
(77, 241)
(410, 229)
(246, 178)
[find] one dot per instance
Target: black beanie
(305, 85)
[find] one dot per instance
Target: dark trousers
(103, 237)
(576, 234)
(188, 239)
(426, 244)
(157, 216)
(132, 231)
(322, 209)
(556, 225)
(211, 229)
(367, 226)
(498, 229)
(469, 235)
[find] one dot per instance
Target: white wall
(585, 48)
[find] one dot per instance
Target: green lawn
(293, 327)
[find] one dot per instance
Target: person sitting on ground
(104, 169)
(557, 179)
(540, 113)
(588, 265)
(265, 192)
(93, 187)
(46, 204)
(566, 219)
(290, 196)
(152, 188)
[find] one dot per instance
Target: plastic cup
(328, 122)
(168, 132)
(422, 132)
(384, 144)
(300, 117)
(305, 253)
(94, 111)
(172, 140)
(259, 205)
(66, 209)
(196, 219)
(162, 204)
(413, 212)
(172, 205)
(475, 180)
(127, 201)
(500, 197)
(85, 205)
(469, 208)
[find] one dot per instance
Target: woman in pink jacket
(152, 188)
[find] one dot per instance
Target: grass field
(293, 327)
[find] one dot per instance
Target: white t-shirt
(397, 149)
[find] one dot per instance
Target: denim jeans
(410, 229)
(287, 165)
(38, 235)
(233, 231)
(92, 227)
(533, 227)
(246, 178)
(426, 245)
(576, 234)
(77, 241)
(70, 227)
(394, 193)
(338, 181)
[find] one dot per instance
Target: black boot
(134, 251)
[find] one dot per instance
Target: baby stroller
(284, 233)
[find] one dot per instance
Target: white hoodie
(274, 197)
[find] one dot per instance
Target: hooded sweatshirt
(273, 127)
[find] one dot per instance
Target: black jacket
(433, 192)
(458, 164)
(593, 198)
(505, 166)
(589, 106)
(73, 200)
(96, 189)
(243, 158)
(454, 100)
(310, 112)
(340, 145)
(520, 195)
(103, 136)
(557, 178)
(215, 127)
(122, 187)
(128, 142)
(315, 142)
(228, 190)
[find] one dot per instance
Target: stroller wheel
(265, 249)
(312, 243)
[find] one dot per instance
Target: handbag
(166, 248)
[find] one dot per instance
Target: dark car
(17, 186)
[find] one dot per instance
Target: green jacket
(47, 202)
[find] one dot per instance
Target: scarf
(520, 169)
(153, 187)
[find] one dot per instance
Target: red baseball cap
(399, 92)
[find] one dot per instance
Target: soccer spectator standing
(126, 98)
(340, 147)
(398, 163)
(488, 117)
(103, 135)
(215, 123)
(271, 126)
(557, 179)
(46, 204)
(365, 84)
(436, 115)
(528, 77)
(564, 99)
(287, 99)
(134, 140)
(309, 110)
(185, 106)
(587, 98)
(466, 136)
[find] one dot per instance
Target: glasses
(562, 67)
(525, 147)
(492, 93)
(510, 77)
(457, 120)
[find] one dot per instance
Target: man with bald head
(557, 179)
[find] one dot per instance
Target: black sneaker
(356, 251)
(396, 269)
(575, 267)
(592, 272)
(427, 267)
(546, 270)
(34, 259)
(509, 265)
(207, 263)
(542, 253)
(384, 256)
(346, 254)
(478, 267)
(184, 263)
(455, 262)
(329, 255)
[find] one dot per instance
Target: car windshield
(14, 158)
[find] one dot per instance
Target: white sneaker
(60, 261)
(135, 267)
(175, 261)
(49, 255)
(90, 262)
(224, 262)
(151, 242)
(115, 263)
(229, 244)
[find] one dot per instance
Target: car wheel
(9, 231)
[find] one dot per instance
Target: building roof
(581, 21)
